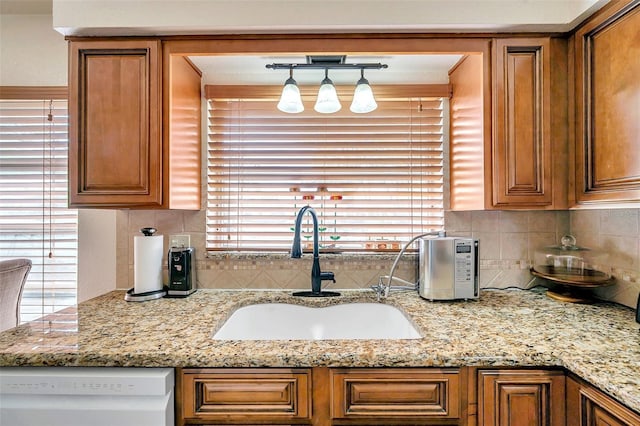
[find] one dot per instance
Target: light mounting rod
(327, 66)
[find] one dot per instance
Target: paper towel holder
(148, 231)
(130, 295)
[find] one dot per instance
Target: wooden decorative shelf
(571, 284)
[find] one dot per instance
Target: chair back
(13, 275)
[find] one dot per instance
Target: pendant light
(290, 100)
(327, 101)
(363, 100)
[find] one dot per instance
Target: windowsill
(346, 256)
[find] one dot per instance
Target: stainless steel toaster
(448, 268)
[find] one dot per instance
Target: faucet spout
(296, 248)
(317, 276)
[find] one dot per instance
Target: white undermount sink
(282, 321)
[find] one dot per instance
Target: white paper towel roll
(147, 263)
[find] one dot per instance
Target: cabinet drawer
(368, 393)
(250, 395)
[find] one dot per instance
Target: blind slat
(386, 168)
(34, 218)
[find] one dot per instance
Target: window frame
(270, 94)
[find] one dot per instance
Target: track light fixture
(327, 101)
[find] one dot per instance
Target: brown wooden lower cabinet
(587, 406)
(322, 396)
(521, 397)
(244, 396)
(396, 395)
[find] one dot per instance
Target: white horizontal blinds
(35, 222)
(374, 179)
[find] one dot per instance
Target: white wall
(96, 253)
(33, 54)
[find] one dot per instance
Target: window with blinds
(35, 222)
(375, 180)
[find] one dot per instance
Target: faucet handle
(326, 276)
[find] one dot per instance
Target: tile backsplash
(616, 232)
(508, 241)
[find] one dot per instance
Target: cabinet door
(587, 406)
(607, 92)
(395, 394)
(244, 396)
(522, 169)
(521, 398)
(115, 147)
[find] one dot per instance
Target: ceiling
(167, 17)
(251, 70)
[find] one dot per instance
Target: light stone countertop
(599, 342)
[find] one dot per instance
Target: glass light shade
(327, 101)
(363, 100)
(290, 100)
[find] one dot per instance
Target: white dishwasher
(81, 396)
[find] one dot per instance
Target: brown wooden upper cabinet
(121, 152)
(528, 123)
(607, 110)
(525, 134)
